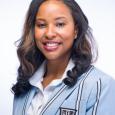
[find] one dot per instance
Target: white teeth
(51, 44)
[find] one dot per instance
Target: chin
(52, 59)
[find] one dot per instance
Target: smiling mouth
(51, 46)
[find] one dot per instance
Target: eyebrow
(58, 18)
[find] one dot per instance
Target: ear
(76, 33)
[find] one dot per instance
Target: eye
(41, 25)
(60, 24)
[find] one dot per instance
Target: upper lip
(49, 41)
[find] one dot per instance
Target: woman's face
(54, 30)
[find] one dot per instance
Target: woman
(56, 76)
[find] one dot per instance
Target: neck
(56, 68)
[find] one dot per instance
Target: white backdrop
(101, 15)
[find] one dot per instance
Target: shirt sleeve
(102, 98)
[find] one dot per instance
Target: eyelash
(41, 25)
(59, 25)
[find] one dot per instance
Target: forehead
(55, 7)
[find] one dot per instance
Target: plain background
(101, 15)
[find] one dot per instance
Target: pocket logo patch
(67, 111)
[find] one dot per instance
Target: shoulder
(95, 80)
(102, 92)
(19, 102)
(96, 75)
(97, 84)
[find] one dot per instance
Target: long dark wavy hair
(83, 54)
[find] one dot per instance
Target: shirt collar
(38, 76)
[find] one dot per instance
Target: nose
(50, 32)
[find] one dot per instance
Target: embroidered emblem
(67, 111)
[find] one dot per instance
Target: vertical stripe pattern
(80, 91)
(94, 112)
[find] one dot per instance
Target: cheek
(38, 36)
(38, 33)
(68, 36)
(68, 39)
(68, 32)
(68, 43)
